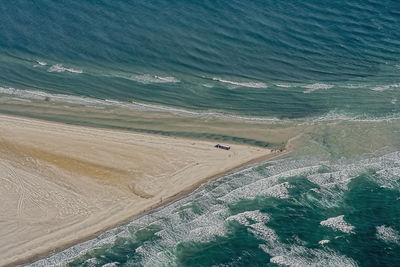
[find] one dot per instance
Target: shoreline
(124, 215)
(267, 134)
(151, 209)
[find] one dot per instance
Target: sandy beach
(62, 184)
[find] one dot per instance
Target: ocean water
(261, 60)
(285, 59)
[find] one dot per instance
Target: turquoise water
(279, 59)
(265, 58)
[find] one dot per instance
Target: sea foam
(387, 234)
(40, 64)
(323, 242)
(147, 78)
(243, 84)
(61, 68)
(94, 102)
(386, 87)
(338, 224)
(243, 218)
(283, 85)
(316, 86)
(299, 256)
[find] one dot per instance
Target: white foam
(353, 86)
(323, 242)
(40, 95)
(300, 256)
(279, 190)
(92, 262)
(243, 84)
(388, 176)
(111, 264)
(243, 217)
(338, 224)
(394, 101)
(268, 186)
(332, 116)
(260, 230)
(297, 254)
(147, 78)
(386, 87)
(283, 85)
(60, 68)
(387, 234)
(316, 86)
(40, 64)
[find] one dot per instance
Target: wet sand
(62, 184)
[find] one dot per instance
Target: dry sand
(62, 184)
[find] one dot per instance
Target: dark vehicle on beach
(222, 146)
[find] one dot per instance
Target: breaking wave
(387, 234)
(338, 224)
(40, 63)
(61, 68)
(386, 87)
(243, 84)
(89, 101)
(316, 86)
(147, 78)
(283, 85)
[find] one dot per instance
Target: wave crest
(147, 78)
(338, 223)
(387, 234)
(243, 84)
(385, 87)
(61, 68)
(316, 86)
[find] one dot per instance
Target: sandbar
(62, 184)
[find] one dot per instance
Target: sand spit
(62, 184)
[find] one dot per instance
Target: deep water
(260, 58)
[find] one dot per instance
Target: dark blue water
(263, 58)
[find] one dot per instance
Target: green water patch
(368, 206)
(365, 205)
(324, 169)
(347, 139)
(121, 251)
(194, 207)
(237, 248)
(296, 217)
